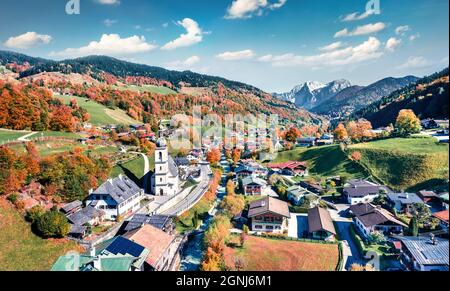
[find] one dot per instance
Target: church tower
(161, 183)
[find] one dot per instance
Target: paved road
(193, 197)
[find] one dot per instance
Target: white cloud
(362, 30)
(237, 55)
(414, 37)
(332, 47)
(109, 2)
(401, 30)
(241, 9)
(27, 40)
(367, 50)
(110, 44)
(392, 44)
(190, 63)
(356, 16)
(193, 35)
(109, 22)
(415, 63)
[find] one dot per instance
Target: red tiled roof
(443, 215)
(290, 165)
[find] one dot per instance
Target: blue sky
(272, 44)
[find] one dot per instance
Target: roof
(85, 215)
(153, 239)
(268, 204)
(244, 168)
(427, 194)
(71, 206)
(139, 220)
(370, 215)
(119, 189)
(405, 198)
(443, 215)
(425, 252)
(298, 191)
(173, 168)
(287, 165)
(319, 219)
(362, 188)
(180, 161)
(253, 180)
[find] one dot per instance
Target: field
(324, 161)
(406, 163)
(21, 250)
(101, 115)
(263, 254)
(147, 88)
(7, 135)
(133, 169)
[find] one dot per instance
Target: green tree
(52, 224)
(413, 228)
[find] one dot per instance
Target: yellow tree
(341, 132)
(407, 122)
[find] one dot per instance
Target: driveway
(343, 225)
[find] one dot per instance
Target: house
(269, 215)
(253, 186)
(429, 124)
(403, 202)
(297, 193)
(72, 207)
(443, 218)
(80, 220)
(313, 187)
(162, 222)
(425, 254)
(115, 255)
(306, 141)
(428, 196)
(369, 219)
(320, 224)
(326, 139)
(244, 171)
(361, 191)
(164, 248)
(166, 180)
(290, 168)
(117, 197)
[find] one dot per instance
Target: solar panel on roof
(432, 254)
(124, 246)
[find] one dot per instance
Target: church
(166, 180)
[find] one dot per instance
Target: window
(160, 156)
(270, 227)
(258, 226)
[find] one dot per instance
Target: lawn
(21, 250)
(61, 134)
(323, 162)
(406, 163)
(265, 254)
(100, 114)
(133, 169)
(7, 135)
(147, 88)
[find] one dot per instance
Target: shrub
(13, 198)
(52, 224)
(34, 213)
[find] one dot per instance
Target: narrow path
(25, 137)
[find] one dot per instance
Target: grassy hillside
(21, 250)
(101, 115)
(324, 161)
(406, 163)
(10, 135)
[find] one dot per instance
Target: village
(155, 224)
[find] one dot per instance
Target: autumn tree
(356, 156)
(52, 224)
(292, 134)
(360, 130)
(340, 132)
(407, 122)
(213, 156)
(236, 155)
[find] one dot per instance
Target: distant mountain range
(340, 98)
(428, 97)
